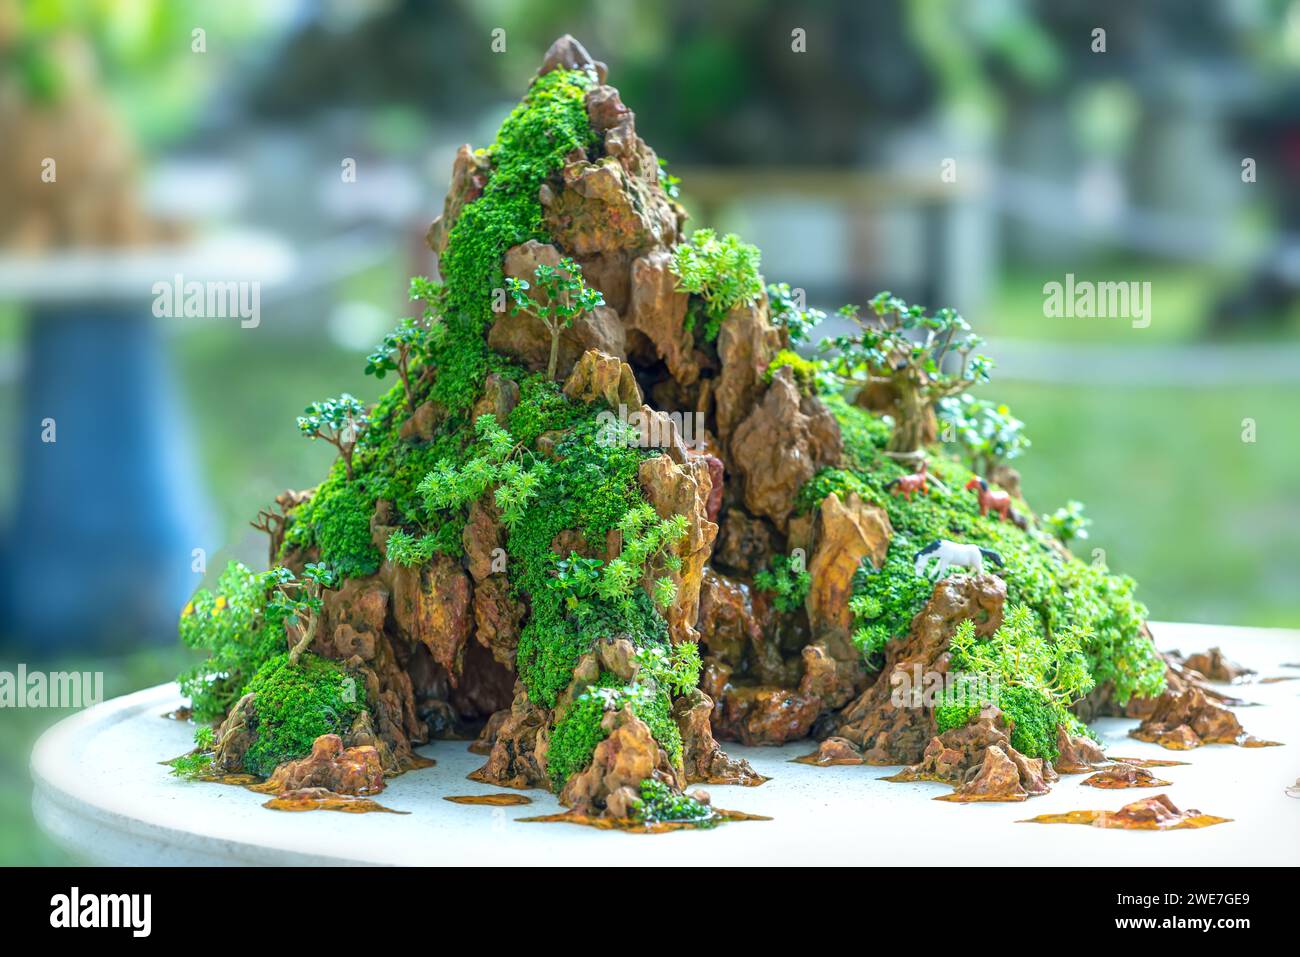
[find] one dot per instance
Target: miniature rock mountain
(690, 534)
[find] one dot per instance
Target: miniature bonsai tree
(567, 296)
(883, 351)
(987, 434)
(722, 272)
(339, 422)
(396, 352)
(299, 601)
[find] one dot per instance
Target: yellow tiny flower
(219, 604)
(1003, 410)
(188, 609)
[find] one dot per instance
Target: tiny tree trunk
(555, 352)
(910, 422)
(305, 641)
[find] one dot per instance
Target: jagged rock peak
(567, 53)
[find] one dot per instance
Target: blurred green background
(1114, 166)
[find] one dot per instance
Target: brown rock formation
(702, 757)
(333, 767)
(1214, 666)
(781, 444)
(1188, 719)
(846, 533)
(627, 756)
(1076, 753)
(682, 489)
(608, 378)
(897, 733)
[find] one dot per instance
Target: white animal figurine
(955, 553)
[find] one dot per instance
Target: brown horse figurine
(999, 502)
(907, 484)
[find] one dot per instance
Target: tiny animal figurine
(955, 553)
(907, 484)
(999, 502)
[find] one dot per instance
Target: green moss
(337, 521)
(1033, 719)
(532, 143)
(297, 704)
(661, 804)
(805, 370)
(596, 487)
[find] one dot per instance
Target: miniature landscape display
(609, 516)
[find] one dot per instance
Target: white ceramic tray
(100, 791)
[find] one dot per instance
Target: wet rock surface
(332, 767)
(1156, 813)
(780, 445)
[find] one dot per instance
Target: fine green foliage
(1037, 678)
(238, 630)
(1068, 522)
(985, 433)
(883, 351)
(593, 494)
(787, 581)
(645, 538)
(661, 804)
(565, 297)
(190, 765)
(512, 471)
(676, 670)
(199, 760)
(408, 551)
(296, 704)
(722, 272)
(670, 184)
(789, 311)
(532, 143)
(339, 422)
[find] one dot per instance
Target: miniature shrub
(987, 434)
(295, 705)
(234, 625)
(787, 583)
(906, 347)
(1036, 677)
(722, 272)
(676, 669)
(661, 804)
